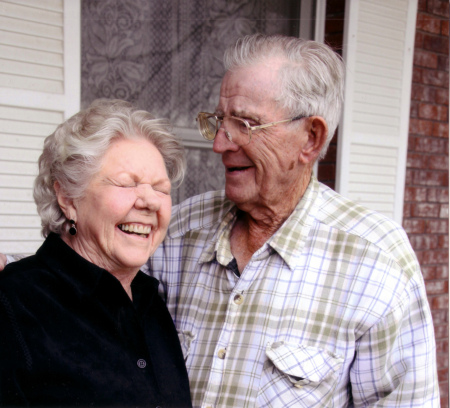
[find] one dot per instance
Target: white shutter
(39, 88)
(373, 135)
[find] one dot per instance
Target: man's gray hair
(72, 154)
(311, 78)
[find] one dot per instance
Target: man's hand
(2, 262)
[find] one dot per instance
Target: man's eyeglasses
(237, 130)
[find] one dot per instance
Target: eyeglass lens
(235, 129)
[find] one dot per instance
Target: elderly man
(284, 293)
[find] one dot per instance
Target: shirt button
(238, 299)
(222, 353)
(298, 386)
(141, 363)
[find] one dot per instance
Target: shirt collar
(288, 241)
(83, 276)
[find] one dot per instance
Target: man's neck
(254, 228)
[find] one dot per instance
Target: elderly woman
(80, 324)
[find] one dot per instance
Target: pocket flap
(303, 362)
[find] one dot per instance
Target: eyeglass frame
(250, 129)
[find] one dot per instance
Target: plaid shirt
(330, 312)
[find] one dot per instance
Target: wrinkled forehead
(250, 88)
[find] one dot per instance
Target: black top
(71, 336)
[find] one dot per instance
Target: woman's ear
(317, 129)
(65, 203)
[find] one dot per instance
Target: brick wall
(426, 187)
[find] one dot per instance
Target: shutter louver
(39, 88)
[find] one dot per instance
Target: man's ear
(65, 203)
(317, 130)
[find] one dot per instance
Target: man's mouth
(136, 229)
(233, 169)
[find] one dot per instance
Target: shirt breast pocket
(305, 375)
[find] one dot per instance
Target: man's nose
(222, 143)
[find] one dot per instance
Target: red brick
(436, 226)
(439, 302)
(406, 210)
(442, 241)
(414, 109)
(435, 43)
(424, 242)
(439, 195)
(429, 178)
(440, 129)
(443, 380)
(418, 40)
(442, 346)
(443, 213)
(424, 93)
(427, 59)
(433, 112)
(408, 177)
(414, 226)
(442, 364)
(441, 332)
(438, 162)
(436, 78)
(430, 145)
(428, 23)
(429, 272)
(438, 7)
(415, 193)
(439, 316)
(444, 27)
(416, 161)
(425, 210)
(422, 6)
(442, 63)
(417, 76)
(420, 127)
(442, 272)
(436, 256)
(441, 97)
(434, 272)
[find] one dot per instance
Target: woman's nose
(147, 198)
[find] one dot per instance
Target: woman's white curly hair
(73, 153)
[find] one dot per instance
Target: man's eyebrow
(239, 114)
(246, 115)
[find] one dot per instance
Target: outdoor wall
(426, 191)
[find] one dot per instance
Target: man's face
(267, 172)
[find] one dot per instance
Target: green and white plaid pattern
(330, 312)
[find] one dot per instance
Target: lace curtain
(166, 57)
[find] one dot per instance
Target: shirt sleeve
(395, 364)
(13, 357)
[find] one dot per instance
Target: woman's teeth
(135, 229)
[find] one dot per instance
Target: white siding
(373, 136)
(39, 88)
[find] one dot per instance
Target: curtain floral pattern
(166, 57)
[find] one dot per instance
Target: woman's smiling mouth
(137, 229)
